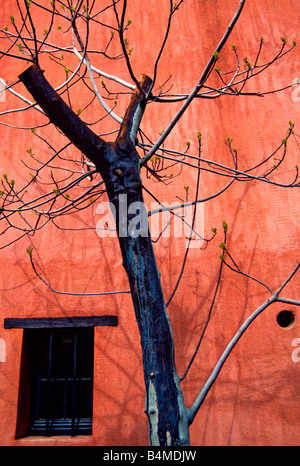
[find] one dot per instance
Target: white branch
(207, 386)
(198, 86)
(105, 75)
(293, 302)
(21, 97)
(188, 204)
(87, 63)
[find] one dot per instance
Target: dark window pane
(62, 381)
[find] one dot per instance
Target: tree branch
(61, 115)
(135, 110)
(67, 292)
(293, 302)
(198, 86)
(210, 381)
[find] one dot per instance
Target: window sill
(59, 440)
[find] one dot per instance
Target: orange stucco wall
(255, 400)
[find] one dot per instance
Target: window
(56, 377)
(61, 393)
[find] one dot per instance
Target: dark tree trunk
(118, 164)
(164, 401)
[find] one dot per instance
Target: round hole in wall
(286, 319)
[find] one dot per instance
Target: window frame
(26, 366)
(56, 381)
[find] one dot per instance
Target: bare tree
(111, 163)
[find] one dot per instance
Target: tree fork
(118, 164)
